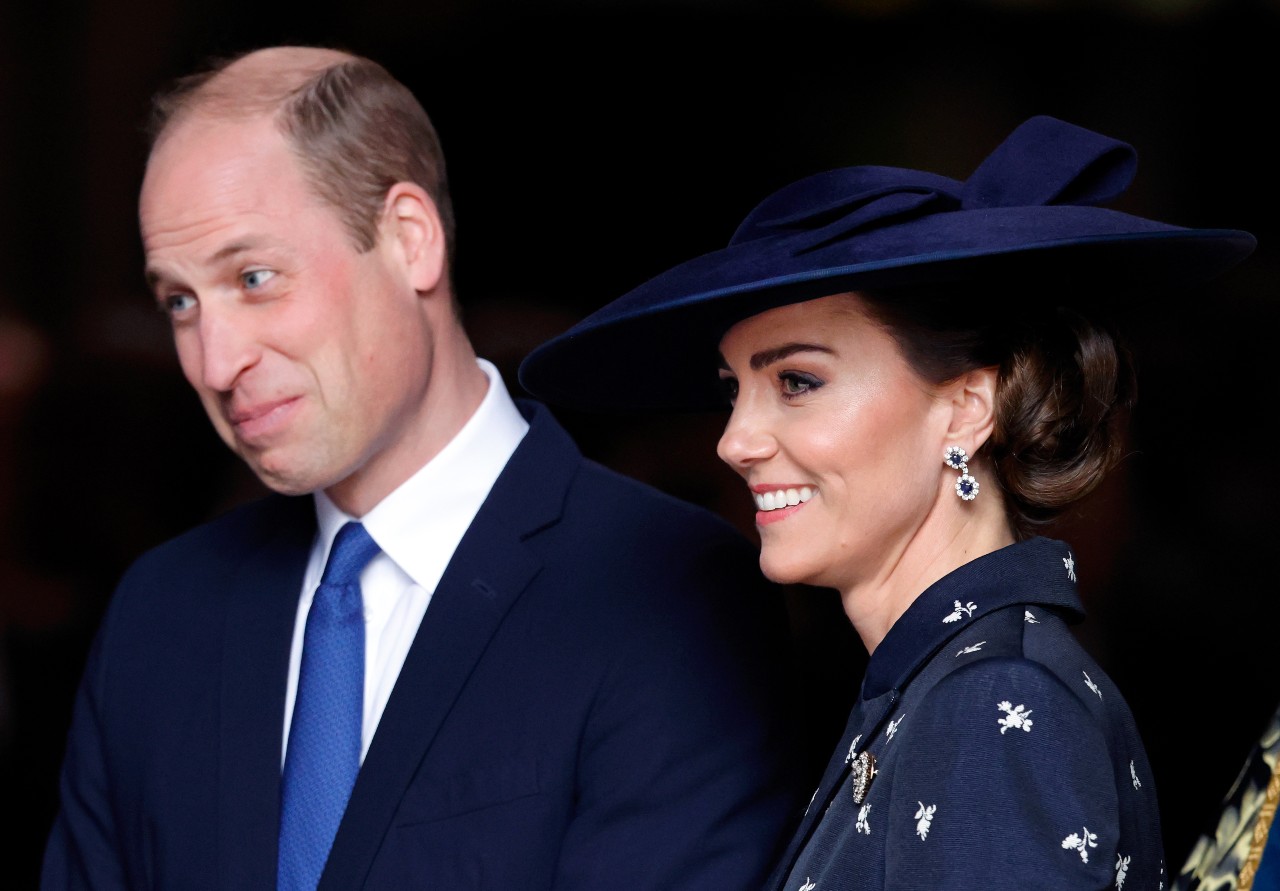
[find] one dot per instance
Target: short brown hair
(356, 130)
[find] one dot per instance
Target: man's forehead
(200, 134)
(203, 155)
(219, 176)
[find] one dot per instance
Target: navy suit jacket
(593, 701)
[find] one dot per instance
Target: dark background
(591, 146)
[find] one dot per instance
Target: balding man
(450, 652)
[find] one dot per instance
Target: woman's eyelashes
(791, 384)
(797, 383)
(729, 387)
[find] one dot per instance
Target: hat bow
(1043, 162)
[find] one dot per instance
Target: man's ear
(411, 227)
(973, 408)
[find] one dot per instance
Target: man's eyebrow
(235, 247)
(154, 276)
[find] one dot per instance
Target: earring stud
(958, 459)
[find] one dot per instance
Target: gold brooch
(861, 770)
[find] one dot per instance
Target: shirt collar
(1038, 571)
(419, 524)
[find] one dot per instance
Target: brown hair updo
(1065, 387)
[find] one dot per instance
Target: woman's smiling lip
(776, 502)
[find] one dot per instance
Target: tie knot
(352, 550)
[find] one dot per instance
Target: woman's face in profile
(838, 439)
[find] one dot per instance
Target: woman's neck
(948, 539)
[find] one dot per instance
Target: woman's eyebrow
(765, 358)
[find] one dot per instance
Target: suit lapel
(260, 618)
(490, 569)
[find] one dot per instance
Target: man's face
(312, 359)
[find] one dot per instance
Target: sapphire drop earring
(958, 459)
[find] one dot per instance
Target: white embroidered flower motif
(924, 817)
(863, 825)
(853, 750)
(808, 884)
(1070, 562)
(1122, 868)
(1016, 717)
(972, 648)
(893, 727)
(965, 609)
(1137, 784)
(1081, 843)
(1028, 618)
(1088, 682)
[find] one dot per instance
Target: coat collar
(1039, 570)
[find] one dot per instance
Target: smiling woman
(919, 382)
(828, 402)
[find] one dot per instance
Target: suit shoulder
(625, 501)
(647, 558)
(572, 497)
(234, 532)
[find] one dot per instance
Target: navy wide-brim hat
(1028, 214)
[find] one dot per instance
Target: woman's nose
(745, 440)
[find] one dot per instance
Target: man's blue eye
(257, 277)
(177, 303)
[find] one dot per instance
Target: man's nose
(228, 347)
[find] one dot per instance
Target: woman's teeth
(783, 498)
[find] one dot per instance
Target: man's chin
(284, 480)
(287, 488)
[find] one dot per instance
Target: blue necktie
(323, 756)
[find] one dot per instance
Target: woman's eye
(729, 386)
(256, 278)
(795, 383)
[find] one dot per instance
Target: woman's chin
(787, 571)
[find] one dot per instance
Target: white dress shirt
(418, 526)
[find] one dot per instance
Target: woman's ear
(973, 408)
(411, 228)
